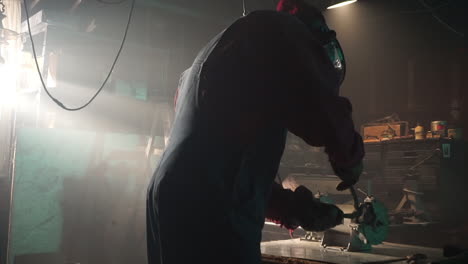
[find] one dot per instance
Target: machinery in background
(386, 128)
(416, 214)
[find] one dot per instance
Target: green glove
(349, 176)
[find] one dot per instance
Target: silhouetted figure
(267, 73)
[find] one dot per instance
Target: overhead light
(336, 4)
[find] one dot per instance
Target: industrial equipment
(412, 196)
(389, 127)
(367, 225)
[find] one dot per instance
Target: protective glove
(313, 215)
(280, 207)
(349, 176)
(300, 208)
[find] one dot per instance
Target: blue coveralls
(262, 76)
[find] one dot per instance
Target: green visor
(327, 38)
(336, 55)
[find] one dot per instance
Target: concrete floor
(313, 251)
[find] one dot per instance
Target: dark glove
(349, 176)
(280, 207)
(313, 215)
(300, 208)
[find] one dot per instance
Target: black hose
(57, 101)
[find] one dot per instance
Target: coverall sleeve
(310, 105)
(331, 126)
(182, 80)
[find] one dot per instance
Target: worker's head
(307, 13)
(315, 22)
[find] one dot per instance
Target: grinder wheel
(376, 230)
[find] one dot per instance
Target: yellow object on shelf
(419, 132)
(429, 134)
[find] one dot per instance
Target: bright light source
(342, 4)
(8, 90)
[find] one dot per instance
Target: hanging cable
(244, 12)
(436, 17)
(425, 10)
(130, 14)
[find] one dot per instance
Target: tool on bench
(367, 225)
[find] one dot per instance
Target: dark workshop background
(80, 178)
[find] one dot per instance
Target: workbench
(297, 248)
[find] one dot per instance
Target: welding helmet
(327, 38)
(315, 22)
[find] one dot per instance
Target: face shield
(327, 38)
(336, 55)
(333, 49)
(312, 17)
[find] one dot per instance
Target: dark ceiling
(450, 12)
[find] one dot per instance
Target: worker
(268, 73)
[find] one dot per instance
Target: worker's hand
(300, 208)
(313, 215)
(348, 176)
